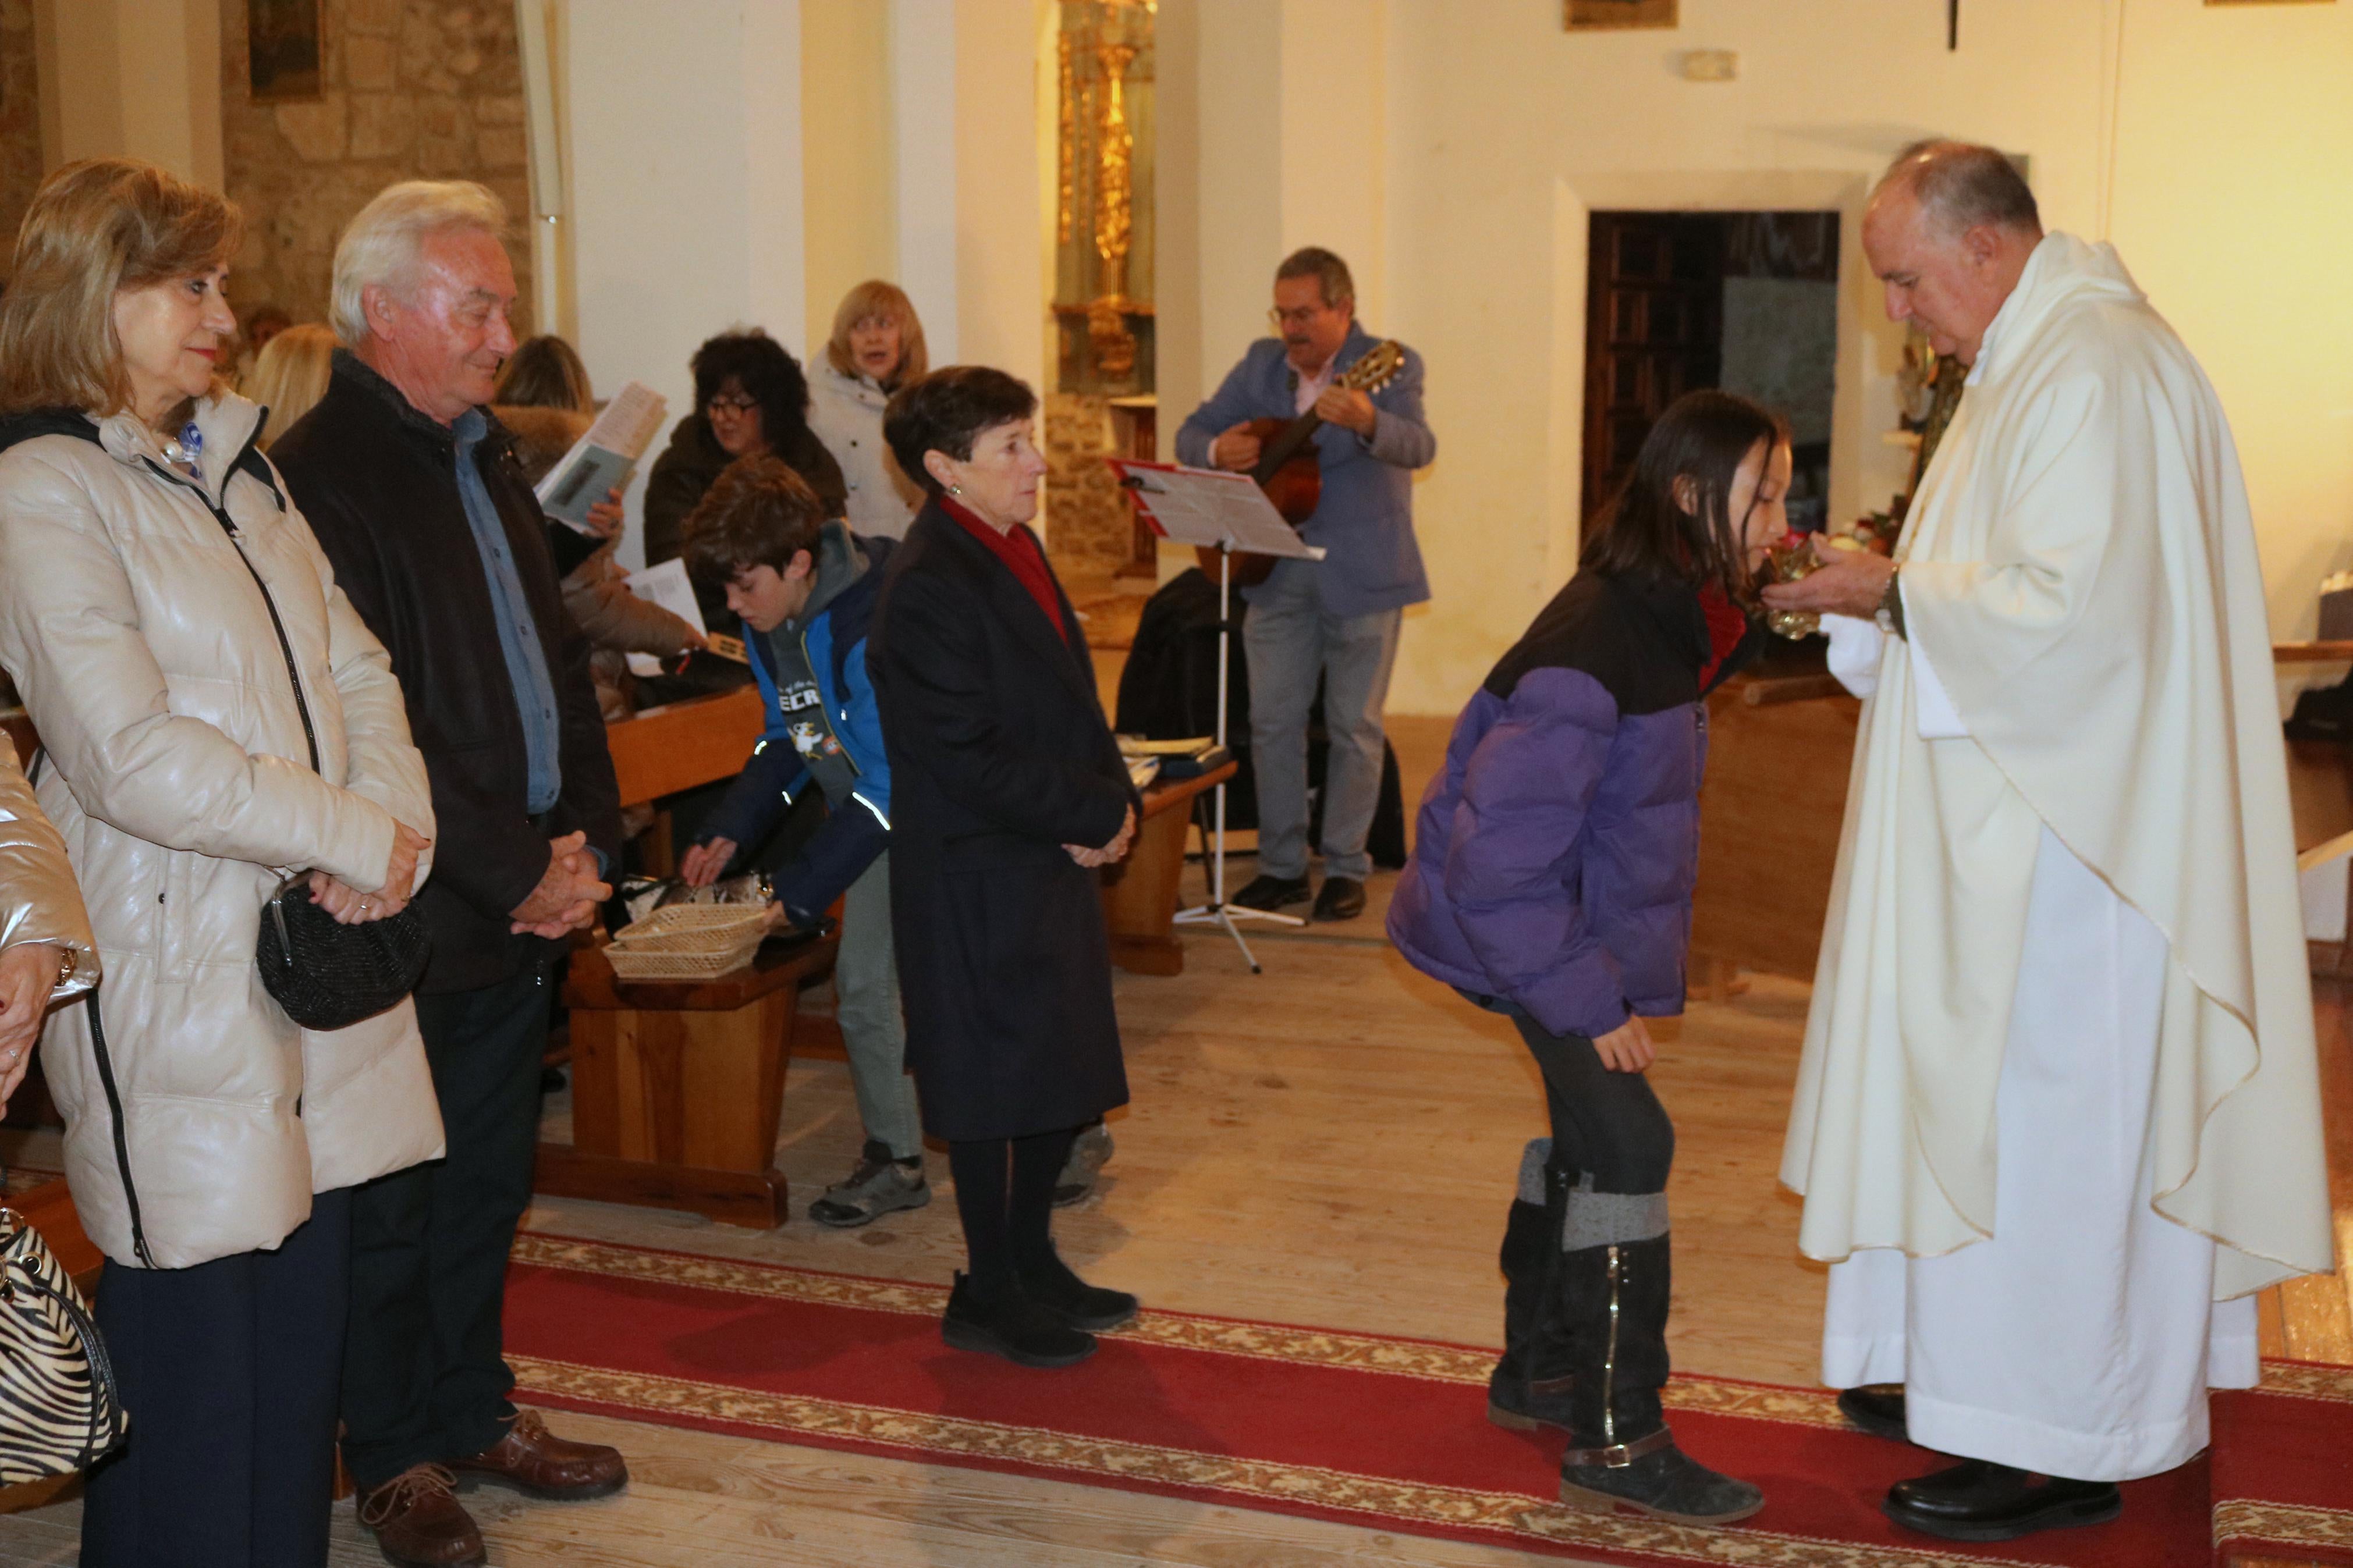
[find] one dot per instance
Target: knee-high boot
(1616, 1279)
(1529, 1387)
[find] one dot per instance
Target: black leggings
(1004, 1196)
(1608, 1125)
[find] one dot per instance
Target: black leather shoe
(1343, 899)
(1009, 1324)
(1978, 1501)
(1272, 892)
(1079, 1305)
(1877, 1408)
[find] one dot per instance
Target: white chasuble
(2080, 572)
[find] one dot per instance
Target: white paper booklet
(668, 587)
(600, 461)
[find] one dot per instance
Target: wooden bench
(1139, 893)
(678, 1088)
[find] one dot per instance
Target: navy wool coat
(999, 756)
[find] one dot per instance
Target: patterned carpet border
(1224, 1336)
(2283, 1526)
(2238, 1524)
(1359, 1499)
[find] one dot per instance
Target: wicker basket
(688, 941)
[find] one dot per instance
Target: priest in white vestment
(2058, 1115)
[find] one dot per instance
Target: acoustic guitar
(1288, 469)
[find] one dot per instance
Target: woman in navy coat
(1008, 790)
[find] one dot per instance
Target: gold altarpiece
(1103, 303)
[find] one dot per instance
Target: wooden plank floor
(1331, 1142)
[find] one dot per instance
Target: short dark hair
(768, 374)
(1702, 436)
(758, 512)
(946, 411)
(1963, 186)
(1331, 274)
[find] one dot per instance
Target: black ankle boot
(1006, 1321)
(1622, 1454)
(1050, 1282)
(1529, 1387)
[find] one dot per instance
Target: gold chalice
(1790, 561)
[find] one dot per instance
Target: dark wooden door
(1653, 330)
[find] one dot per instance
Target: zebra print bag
(59, 1409)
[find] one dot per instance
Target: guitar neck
(1293, 439)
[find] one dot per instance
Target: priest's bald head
(1949, 230)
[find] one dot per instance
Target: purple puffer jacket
(1555, 855)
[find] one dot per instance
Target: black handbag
(328, 975)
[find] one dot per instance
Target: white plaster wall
(1505, 132)
(683, 126)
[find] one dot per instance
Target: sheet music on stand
(1209, 507)
(1224, 511)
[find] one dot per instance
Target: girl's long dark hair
(1704, 437)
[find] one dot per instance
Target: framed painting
(1597, 16)
(285, 49)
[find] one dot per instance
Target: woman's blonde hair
(97, 226)
(290, 376)
(876, 298)
(546, 372)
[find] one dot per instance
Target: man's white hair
(381, 243)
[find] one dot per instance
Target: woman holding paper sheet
(544, 399)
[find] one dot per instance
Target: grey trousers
(873, 1031)
(1290, 638)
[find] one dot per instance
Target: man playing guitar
(1339, 616)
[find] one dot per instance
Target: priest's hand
(1627, 1048)
(1848, 582)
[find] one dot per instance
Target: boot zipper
(236, 542)
(1609, 1363)
(121, 1137)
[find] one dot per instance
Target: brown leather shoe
(533, 1460)
(419, 1522)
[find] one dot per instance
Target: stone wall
(1089, 528)
(413, 89)
(20, 118)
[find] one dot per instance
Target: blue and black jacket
(841, 728)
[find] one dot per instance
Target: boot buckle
(1619, 1455)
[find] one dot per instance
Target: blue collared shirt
(535, 689)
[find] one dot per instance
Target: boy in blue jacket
(804, 587)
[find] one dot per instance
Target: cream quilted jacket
(139, 627)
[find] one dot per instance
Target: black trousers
(228, 1371)
(425, 1378)
(1608, 1125)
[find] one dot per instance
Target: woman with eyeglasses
(749, 397)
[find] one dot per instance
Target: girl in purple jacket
(1551, 882)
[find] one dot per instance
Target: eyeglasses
(730, 405)
(1280, 318)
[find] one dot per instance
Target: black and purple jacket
(1555, 853)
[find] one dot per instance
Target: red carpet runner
(1383, 1433)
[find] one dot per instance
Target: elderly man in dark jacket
(442, 548)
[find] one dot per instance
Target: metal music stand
(1215, 510)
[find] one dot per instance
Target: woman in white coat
(877, 347)
(184, 652)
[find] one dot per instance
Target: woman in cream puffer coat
(185, 654)
(173, 763)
